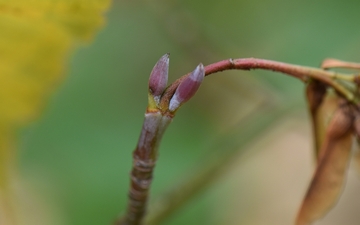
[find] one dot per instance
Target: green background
(78, 154)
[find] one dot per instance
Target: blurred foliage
(78, 155)
(35, 41)
(36, 38)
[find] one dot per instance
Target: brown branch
(158, 116)
(145, 156)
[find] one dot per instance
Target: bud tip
(159, 76)
(187, 88)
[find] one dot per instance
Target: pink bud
(187, 88)
(159, 76)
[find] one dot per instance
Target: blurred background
(74, 160)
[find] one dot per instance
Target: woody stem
(144, 159)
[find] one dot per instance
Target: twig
(335, 63)
(162, 108)
(156, 122)
(145, 156)
(215, 164)
(300, 72)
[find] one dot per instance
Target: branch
(163, 105)
(216, 163)
(335, 63)
(300, 72)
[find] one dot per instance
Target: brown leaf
(315, 94)
(321, 117)
(329, 177)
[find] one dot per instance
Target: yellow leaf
(36, 39)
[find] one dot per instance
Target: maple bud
(187, 88)
(159, 77)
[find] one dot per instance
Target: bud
(159, 77)
(187, 88)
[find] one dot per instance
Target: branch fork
(332, 150)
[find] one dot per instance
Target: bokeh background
(75, 159)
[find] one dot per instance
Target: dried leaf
(315, 93)
(329, 177)
(321, 118)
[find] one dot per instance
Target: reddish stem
(300, 72)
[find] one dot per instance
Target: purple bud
(159, 76)
(187, 88)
